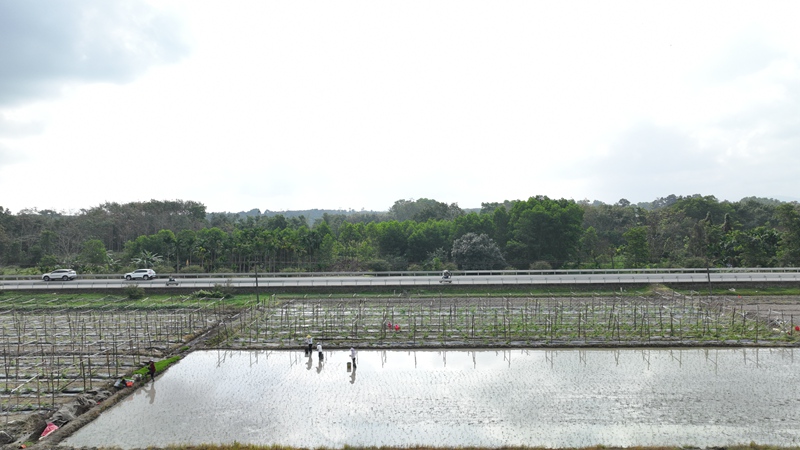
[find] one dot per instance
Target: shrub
(694, 262)
(202, 293)
(378, 265)
(223, 290)
(134, 292)
(397, 262)
(47, 263)
(163, 270)
(191, 269)
(218, 291)
(541, 265)
(16, 270)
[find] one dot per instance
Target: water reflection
(550, 398)
(150, 390)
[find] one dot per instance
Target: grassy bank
(244, 297)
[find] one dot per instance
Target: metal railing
(419, 278)
(564, 272)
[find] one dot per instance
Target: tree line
(423, 234)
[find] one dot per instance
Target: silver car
(144, 274)
(60, 274)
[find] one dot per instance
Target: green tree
(473, 223)
(789, 223)
(699, 207)
(752, 212)
(423, 209)
(544, 230)
(167, 245)
(391, 237)
(611, 221)
(757, 247)
(636, 250)
(93, 253)
(210, 246)
(591, 247)
(185, 246)
(147, 260)
(112, 263)
(48, 263)
(500, 225)
(428, 238)
(667, 232)
(707, 242)
(477, 251)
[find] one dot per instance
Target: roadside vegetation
(423, 234)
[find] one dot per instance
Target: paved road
(417, 280)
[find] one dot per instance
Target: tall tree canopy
(674, 231)
(544, 230)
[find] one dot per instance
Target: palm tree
(147, 259)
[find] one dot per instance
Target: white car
(60, 274)
(144, 274)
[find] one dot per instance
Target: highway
(395, 279)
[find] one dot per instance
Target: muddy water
(563, 398)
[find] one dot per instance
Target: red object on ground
(797, 328)
(389, 324)
(397, 328)
(49, 429)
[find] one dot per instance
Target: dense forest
(423, 234)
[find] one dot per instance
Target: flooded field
(551, 398)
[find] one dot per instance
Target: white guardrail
(417, 278)
(712, 270)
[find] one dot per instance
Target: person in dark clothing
(151, 369)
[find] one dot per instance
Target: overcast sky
(287, 105)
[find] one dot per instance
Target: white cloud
(358, 104)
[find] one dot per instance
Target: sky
(286, 105)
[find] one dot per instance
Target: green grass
(25, 299)
(61, 300)
(161, 365)
(55, 300)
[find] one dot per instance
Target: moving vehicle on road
(446, 277)
(60, 274)
(143, 274)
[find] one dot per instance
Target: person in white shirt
(319, 350)
(353, 356)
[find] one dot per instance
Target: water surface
(555, 398)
